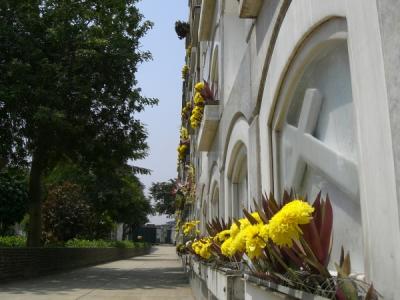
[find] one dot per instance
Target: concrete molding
(206, 19)
(208, 128)
(250, 8)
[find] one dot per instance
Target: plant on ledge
(182, 29)
(203, 96)
(185, 71)
(287, 243)
(184, 144)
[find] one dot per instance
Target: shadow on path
(156, 273)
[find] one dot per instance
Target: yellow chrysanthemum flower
(243, 238)
(202, 247)
(264, 232)
(184, 133)
(222, 236)
(198, 99)
(254, 242)
(196, 117)
(239, 242)
(226, 247)
(188, 227)
(199, 86)
(283, 227)
(185, 71)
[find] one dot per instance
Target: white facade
(308, 92)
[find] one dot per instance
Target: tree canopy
(116, 197)
(68, 88)
(162, 193)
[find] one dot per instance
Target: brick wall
(17, 263)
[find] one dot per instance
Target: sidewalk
(158, 275)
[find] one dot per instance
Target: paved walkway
(158, 275)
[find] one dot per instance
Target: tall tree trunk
(35, 201)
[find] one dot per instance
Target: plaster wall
(255, 56)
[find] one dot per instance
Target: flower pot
(209, 282)
(256, 288)
(225, 284)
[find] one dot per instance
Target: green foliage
(68, 87)
(20, 242)
(182, 29)
(115, 196)
(13, 198)
(125, 244)
(163, 195)
(12, 241)
(66, 213)
(79, 243)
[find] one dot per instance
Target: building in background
(306, 97)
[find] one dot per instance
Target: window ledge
(208, 128)
(250, 8)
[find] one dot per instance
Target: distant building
(155, 234)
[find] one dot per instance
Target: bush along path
(18, 261)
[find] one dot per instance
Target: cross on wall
(306, 150)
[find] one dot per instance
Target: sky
(161, 78)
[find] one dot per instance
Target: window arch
(238, 181)
(236, 191)
(214, 72)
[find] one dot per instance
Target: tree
(68, 88)
(66, 213)
(163, 195)
(121, 195)
(117, 196)
(13, 198)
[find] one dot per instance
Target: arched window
(314, 134)
(238, 182)
(214, 207)
(214, 75)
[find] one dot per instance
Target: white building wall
(255, 58)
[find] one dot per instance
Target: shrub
(77, 243)
(182, 29)
(66, 213)
(124, 244)
(12, 241)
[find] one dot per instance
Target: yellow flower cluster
(182, 150)
(184, 134)
(197, 116)
(198, 110)
(199, 86)
(198, 99)
(251, 239)
(202, 247)
(220, 237)
(190, 227)
(186, 110)
(185, 71)
(283, 227)
(244, 238)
